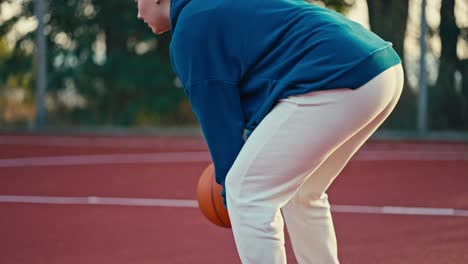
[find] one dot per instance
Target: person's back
(273, 49)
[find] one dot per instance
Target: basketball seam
(214, 205)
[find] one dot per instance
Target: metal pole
(41, 64)
(422, 98)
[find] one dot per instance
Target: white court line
(160, 141)
(98, 200)
(202, 156)
(113, 142)
(93, 200)
(408, 155)
(165, 157)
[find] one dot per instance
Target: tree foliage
(100, 49)
(449, 106)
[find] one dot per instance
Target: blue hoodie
(236, 58)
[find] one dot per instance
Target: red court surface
(395, 202)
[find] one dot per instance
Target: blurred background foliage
(106, 68)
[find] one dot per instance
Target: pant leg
(290, 143)
(307, 214)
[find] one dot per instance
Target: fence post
(423, 94)
(41, 64)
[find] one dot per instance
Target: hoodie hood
(176, 8)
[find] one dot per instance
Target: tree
(388, 19)
(449, 108)
(100, 49)
(16, 103)
(130, 83)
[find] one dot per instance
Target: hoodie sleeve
(207, 55)
(216, 104)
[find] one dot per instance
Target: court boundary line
(204, 156)
(187, 141)
(196, 143)
(96, 159)
(153, 202)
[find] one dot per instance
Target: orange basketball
(210, 200)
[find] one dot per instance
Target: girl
(286, 92)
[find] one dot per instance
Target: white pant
(290, 160)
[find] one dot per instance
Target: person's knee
(306, 199)
(239, 198)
